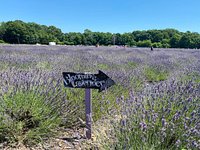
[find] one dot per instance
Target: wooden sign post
(98, 81)
(88, 113)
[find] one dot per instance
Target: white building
(52, 43)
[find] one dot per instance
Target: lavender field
(155, 103)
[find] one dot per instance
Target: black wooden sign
(84, 80)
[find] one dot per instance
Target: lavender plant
(155, 115)
(165, 116)
(32, 105)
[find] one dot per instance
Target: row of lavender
(162, 115)
(115, 61)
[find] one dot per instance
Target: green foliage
(141, 35)
(43, 65)
(157, 45)
(15, 32)
(22, 66)
(26, 118)
(73, 38)
(3, 65)
(103, 66)
(174, 41)
(131, 64)
(145, 43)
(2, 30)
(193, 76)
(185, 41)
(156, 35)
(190, 40)
(1, 41)
(19, 32)
(136, 83)
(165, 43)
(155, 75)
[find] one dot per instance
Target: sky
(115, 16)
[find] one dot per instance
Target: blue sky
(116, 16)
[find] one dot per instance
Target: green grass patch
(131, 65)
(2, 42)
(22, 66)
(102, 66)
(193, 76)
(155, 75)
(136, 83)
(44, 65)
(3, 65)
(126, 66)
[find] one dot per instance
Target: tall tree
(175, 40)
(15, 32)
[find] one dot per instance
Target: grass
(44, 65)
(22, 66)
(155, 75)
(3, 65)
(131, 65)
(136, 83)
(193, 76)
(102, 66)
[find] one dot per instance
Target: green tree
(88, 37)
(157, 44)
(175, 41)
(73, 38)
(145, 43)
(105, 38)
(127, 39)
(141, 35)
(31, 33)
(165, 43)
(194, 40)
(156, 35)
(57, 33)
(185, 41)
(15, 32)
(118, 39)
(2, 30)
(168, 33)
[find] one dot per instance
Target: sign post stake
(88, 110)
(88, 81)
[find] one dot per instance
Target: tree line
(19, 32)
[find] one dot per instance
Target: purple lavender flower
(164, 123)
(123, 122)
(143, 126)
(177, 115)
(178, 143)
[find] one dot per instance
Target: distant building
(52, 43)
